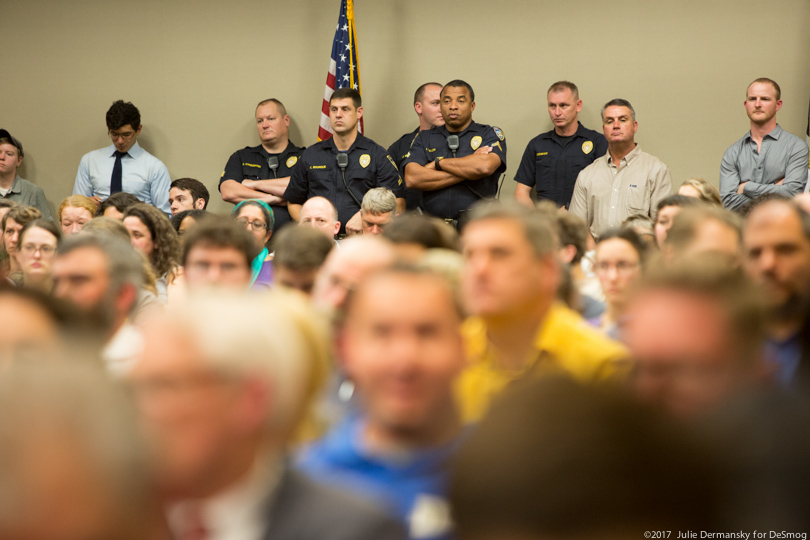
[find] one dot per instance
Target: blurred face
(341, 273)
(684, 353)
(618, 125)
(457, 107)
(252, 218)
(776, 253)
(37, 250)
(124, 137)
(74, 218)
(24, 326)
(272, 125)
(80, 277)
(761, 103)
(11, 236)
(343, 116)
(563, 109)
(376, 223)
(502, 274)
(663, 221)
(429, 108)
(301, 280)
(212, 266)
(188, 411)
(617, 266)
(9, 159)
(182, 199)
(715, 237)
(140, 236)
(689, 191)
(404, 352)
(318, 214)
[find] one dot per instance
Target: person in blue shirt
(124, 165)
(403, 355)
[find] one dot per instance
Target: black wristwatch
(437, 163)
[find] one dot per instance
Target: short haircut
(121, 114)
(766, 80)
(708, 193)
(351, 93)
(618, 102)
(640, 221)
(537, 226)
(559, 86)
(689, 221)
(378, 201)
(164, 239)
(124, 264)
(301, 248)
(631, 237)
(804, 217)
(106, 225)
(121, 201)
(197, 189)
(196, 215)
(759, 201)
(457, 83)
(333, 208)
(76, 201)
(573, 231)
(279, 105)
(428, 232)
(221, 232)
(420, 92)
(556, 458)
(22, 215)
(44, 224)
(681, 201)
(267, 212)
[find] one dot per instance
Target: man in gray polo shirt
(623, 182)
(13, 187)
(767, 159)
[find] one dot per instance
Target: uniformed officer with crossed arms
(344, 167)
(459, 163)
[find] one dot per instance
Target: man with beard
(102, 275)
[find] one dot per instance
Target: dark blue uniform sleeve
(495, 138)
(417, 154)
(528, 164)
(387, 173)
(233, 169)
(601, 146)
(298, 189)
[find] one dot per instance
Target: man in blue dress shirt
(124, 165)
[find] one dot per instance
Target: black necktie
(115, 181)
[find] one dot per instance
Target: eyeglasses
(45, 251)
(124, 136)
(622, 267)
(255, 225)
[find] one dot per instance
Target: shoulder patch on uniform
(365, 159)
(587, 146)
(498, 132)
(392, 161)
(292, 160)
(251, 165)
(498, 144)
(476, 142)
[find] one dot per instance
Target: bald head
(320, 214)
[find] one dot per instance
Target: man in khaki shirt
(623, 182)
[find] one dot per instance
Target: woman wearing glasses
(151, 233)
(257, 217)
(37, 247)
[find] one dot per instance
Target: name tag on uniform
(251, 165)
(542, 153)
(317, 166)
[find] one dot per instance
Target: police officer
(552, 160)
(263, 172)
(344, 167)
(459, 163)
(427, 104)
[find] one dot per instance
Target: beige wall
(196, 69)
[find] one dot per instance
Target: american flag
(343, 70)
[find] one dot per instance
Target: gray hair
(619, 102)
(537, 226)
(124, 264)
(379, 201)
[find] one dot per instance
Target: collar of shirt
(628, 159)
(15, 186)
(265, 154)
(774, 134)
(580, 132)
(444, 131)
(240, 511)
(360, 142)
(133, 152)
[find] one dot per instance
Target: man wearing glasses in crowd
(124, 165)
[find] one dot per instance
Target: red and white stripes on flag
(343, 71)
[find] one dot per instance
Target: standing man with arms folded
(553, 160)
(625, 181)
(767, 159)
(457, 164)
(124, 165)
(344, 167)
(262, 172)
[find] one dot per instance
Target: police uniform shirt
(448, 202)
(551, 163)
(250, 163)
(318, 175)
(398, 152)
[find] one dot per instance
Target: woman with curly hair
(74, 212)
(152, 234)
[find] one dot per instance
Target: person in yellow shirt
(517, 327)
